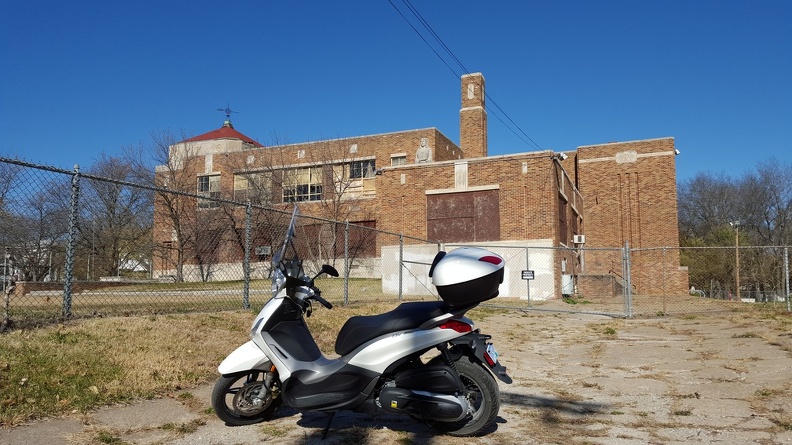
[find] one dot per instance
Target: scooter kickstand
(327, 427)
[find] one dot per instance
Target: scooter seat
(360, 329)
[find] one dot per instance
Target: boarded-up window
(327, 240)
(463, 217)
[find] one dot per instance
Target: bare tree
(42, 227)
(706, 202)
(767, 202)
(761, 203)
(206, 241)
(9, 174)
(708, 266)
(8, 178)
(261, 186)
(117, 218)
(767, 213)
(348, 181)
(174, 213)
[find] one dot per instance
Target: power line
(422, 38)
(538, 147)
(434, 34)
(511, 125)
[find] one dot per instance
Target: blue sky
(80, 78)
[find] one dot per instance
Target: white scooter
(380, 364)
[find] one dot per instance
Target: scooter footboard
(245, 358)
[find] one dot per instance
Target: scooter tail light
(456, 325)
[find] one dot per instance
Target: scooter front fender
(245, 358)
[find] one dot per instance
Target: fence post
(627, 289)
(786, 277)
(346, 262)
(246, 260)
(6, 295)
(401, 265)
(528, 282)
(69, 272)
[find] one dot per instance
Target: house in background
(550, 207)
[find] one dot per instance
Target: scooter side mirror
(329, 270)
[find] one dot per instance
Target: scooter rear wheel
(242, 399)
(483, 397)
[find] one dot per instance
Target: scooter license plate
(491, 354)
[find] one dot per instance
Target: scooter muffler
(422, 404)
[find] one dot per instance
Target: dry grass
(89, 363)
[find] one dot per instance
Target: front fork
(269, 377)
(265, 389)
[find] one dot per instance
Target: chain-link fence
(77, 245)
(744, 273)
(641, 282)
(688, 280)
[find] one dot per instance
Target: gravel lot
(578, 379)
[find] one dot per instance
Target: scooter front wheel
(244, 398)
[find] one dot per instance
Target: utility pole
(736, 225)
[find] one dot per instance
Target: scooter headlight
(278, 281)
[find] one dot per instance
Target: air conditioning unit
(579, 239)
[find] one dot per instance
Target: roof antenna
(227, 110)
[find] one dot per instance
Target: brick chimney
(473, 117)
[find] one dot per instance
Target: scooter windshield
(286, 263)
(289, 240)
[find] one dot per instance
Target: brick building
(421, 184)
(630, 190)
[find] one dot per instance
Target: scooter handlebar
(321, 300)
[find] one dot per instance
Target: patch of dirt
(578, 379)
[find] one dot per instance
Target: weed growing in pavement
(108, 438)
(183, 428)
(274, 430)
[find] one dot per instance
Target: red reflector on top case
(491, 259)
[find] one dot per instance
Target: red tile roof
(224, 132)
